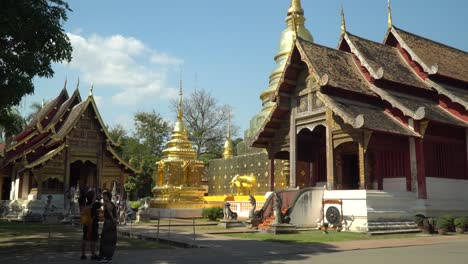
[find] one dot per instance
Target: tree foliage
(31, 39)
(145, 145)
(206, 121)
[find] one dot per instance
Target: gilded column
(362, 167)
(292, 147)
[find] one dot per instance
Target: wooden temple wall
(110, 173)
(52, 174)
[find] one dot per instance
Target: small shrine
(178, 191)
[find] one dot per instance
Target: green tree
(145, 145)
(35, 107)
(11, 123)
(152, 131)
(31, 39)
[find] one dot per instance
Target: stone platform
(230, 223)
(282, 229)
(175, 212)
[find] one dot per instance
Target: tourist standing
(90, 217)
(109, 229)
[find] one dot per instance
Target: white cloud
(125, 120)
(163, 58)
(125, 63)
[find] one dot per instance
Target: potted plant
(451, 225)
(460, 225)
(442, 225)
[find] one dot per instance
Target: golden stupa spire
(296, 8)
(295, 28)
(228, 144)
(179, 147)
(343, 22)
(180, 113)
(390, 22)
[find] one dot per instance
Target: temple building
(66, 145)
(382, 127)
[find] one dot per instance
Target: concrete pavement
(222, 249)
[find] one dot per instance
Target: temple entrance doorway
(6, 188)
(347, 163)
(84, 173)
(311, 157)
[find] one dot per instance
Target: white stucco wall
(308, 209)
(394, 184)
(354, 207)
(446, 196)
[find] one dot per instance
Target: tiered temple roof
(378, 86)
(45, 136)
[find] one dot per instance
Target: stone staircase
(266, 223)
(392, 227)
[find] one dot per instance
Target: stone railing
(242, 208)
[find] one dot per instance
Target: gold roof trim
(49, 155)
(124, 163)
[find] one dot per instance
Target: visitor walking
(109, 229)
(89, 220)
(123, 212)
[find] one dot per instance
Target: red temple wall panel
(445, 152)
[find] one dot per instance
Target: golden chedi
(178, 174)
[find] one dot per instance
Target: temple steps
(266, 224)
(393, 227)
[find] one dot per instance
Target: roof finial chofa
(343, 22)
(91, 89)
(390, 22)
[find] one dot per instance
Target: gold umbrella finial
(390, 22)
(180, 113)
(343, 21)
(296, 7)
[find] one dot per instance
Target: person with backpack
(90, 221)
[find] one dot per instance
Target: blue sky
(133, 50)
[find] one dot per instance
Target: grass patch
(38, 238)
(315, 236)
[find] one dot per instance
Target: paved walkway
(222, 249)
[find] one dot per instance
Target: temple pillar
(66, 180)
(272, 175)
(292, 149)
(1, 186)
(38, 176)
(362, 167)
(330, 160)
(286, 171)
(364, 182)
(420, 170)
(99, 163)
